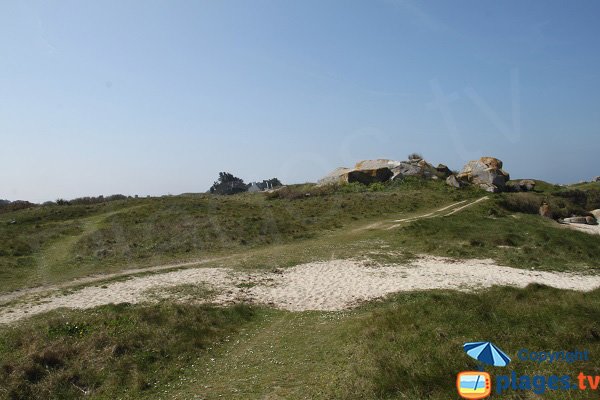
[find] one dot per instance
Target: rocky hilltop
(487, 173)
(383, 170)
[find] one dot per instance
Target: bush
(354, 187)
(228, 184)
(96, 200)
(7, 206)
(293, 192)
(587, 199)
(527, 203)
(376, 187)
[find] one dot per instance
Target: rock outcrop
(487, 173)
(452, 181)
(545, 210)
(443, 170)
(338, 175)
(575, 220)
(383, 170)
(376, 164)
(414, 167)
(525, 185)
(368, 176)
(589, 220)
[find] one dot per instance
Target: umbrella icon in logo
(487, 353)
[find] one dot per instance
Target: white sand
(328, 285)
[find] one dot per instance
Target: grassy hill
(50, 244)
(380, 350)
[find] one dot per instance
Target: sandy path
(328, 285)
(441, 212)
(591, 229)
(7, 297)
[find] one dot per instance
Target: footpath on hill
(331, 285)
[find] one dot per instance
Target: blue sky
(157, 97)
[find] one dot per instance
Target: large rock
(545, 210)
(576, 220)
(421, 169)
(525, 185)
(596, 213)
(338, 175)
(382, 170)
(443, 170)
(407, 169)
(376, 164)
(486, 172)
(366, 171)
(368, 176)
(597, 179)
(488, 187)
(452, 181)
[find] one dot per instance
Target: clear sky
(157, 97)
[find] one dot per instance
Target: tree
(415, 157)
(228, 184)
(273, 183)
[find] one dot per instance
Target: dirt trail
(442, 212)
(4, 298)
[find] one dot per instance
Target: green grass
(110, 352)
(411, 347)
(586, 186)
(487, 231)
(41, 240)
(53, 244)
(406, 347)
(58, 243)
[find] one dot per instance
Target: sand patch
(328, 285)
(591, 229)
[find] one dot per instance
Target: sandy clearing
(327, 285)
(591, 229)
(339, 284)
